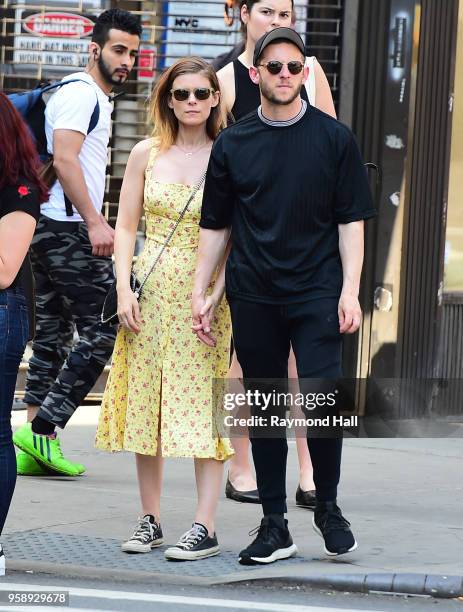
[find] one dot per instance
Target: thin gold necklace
(190, 153)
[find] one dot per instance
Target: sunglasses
(274, 67)
(200, 93)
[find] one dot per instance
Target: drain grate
(105, 553)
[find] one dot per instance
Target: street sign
(57, 38)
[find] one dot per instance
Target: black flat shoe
(305, 499)
(246, 497)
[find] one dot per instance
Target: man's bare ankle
(31, 412)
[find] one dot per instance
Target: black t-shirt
(284, 189)
(22, 197)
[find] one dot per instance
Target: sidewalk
(403, 497)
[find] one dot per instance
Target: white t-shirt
(71, 108)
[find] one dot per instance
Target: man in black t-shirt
(288, 185)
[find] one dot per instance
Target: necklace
(191, 153)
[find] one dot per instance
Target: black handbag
(109, 310)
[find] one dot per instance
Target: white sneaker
(147, 535)
(2, 562)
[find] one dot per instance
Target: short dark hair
(117, 19)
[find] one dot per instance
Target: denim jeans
(14, 331)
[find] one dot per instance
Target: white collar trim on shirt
(291, 121)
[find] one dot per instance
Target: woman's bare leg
(239, 468)
(209, 476)
(305, 464)
(149, 473)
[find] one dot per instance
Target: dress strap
(152, 156)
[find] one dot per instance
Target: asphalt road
(265, 597)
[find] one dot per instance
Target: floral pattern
(162, 380)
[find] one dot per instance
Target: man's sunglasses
(274, 67)
(200, 93)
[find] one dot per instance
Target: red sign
(146, 63)
(62, 25)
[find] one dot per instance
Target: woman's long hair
(18, 157)
(162, 116)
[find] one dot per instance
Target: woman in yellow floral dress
(159, 398)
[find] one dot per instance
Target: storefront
(391, 67)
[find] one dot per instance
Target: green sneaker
(46, 450)
(28, 466)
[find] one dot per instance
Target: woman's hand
(128, 310)
(203, 309)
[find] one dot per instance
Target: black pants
(262, 334)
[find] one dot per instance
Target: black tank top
(247, 94)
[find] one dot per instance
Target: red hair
(18, 156)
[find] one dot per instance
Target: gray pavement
(404, 498)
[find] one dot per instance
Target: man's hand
(350, 313)
(101, 236)
(202, 309)
(128, 310)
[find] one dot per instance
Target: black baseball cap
(283, 34)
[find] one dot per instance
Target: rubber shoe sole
(29, 466)
(277, 555)
(178, 554)
(138, 547)
(328, 552)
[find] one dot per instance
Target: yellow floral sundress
(162, 378)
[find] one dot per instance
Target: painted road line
(177, 600)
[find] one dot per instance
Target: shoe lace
(56, 443)
(191, 537)
(144, 531)
(333, 520)
(261, 530)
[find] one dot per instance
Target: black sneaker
(147, 535)
(273, 542)
(196, 543)
(2, 562)
(330, 524)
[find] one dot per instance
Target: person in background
(21, 193)
(159, 400)
(72, 247)
(241, 96)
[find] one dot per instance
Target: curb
(432, 585)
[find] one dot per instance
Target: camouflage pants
(71, 285)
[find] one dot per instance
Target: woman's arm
(128, 217)
(16, 232)
(323, 97)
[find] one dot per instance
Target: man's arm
(211, 253)
(66, 148)
(351, 251)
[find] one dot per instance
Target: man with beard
(287, 186)
(72, 247)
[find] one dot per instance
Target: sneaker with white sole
(147, 535)
(196, 543)
(330, 524)
(273, 542)
(2, 561)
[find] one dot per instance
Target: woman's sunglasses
(200, 93)
(274, 67)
